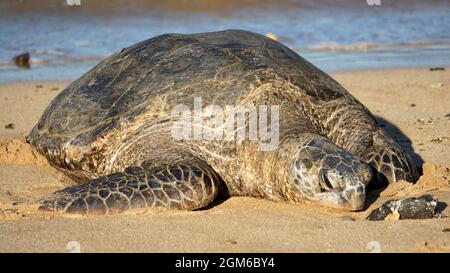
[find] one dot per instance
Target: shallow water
(66, 41)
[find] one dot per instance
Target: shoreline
(328, 71)
(411, 102)
(45, 69)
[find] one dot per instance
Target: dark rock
(423, 207)
(22, 60)
(437, 69)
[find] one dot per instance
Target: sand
(413, 104)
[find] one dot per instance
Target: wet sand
(413, 104)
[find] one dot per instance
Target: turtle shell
(155, 75)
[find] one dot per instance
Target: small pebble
(446, 230)
(9, 126)
(437, 69)
(413, 105)
(421, 120)
(231, 242)
(437, 140)
(22, 60)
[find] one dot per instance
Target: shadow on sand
(401, 139)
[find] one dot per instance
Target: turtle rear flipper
(179, 186)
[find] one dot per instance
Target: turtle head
(330, 176)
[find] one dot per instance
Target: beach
(412, 104)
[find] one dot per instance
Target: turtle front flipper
(389, 160)
(179, 186)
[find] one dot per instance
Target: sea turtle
(112, 129)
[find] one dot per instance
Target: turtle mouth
(340, 201)
(354, 199)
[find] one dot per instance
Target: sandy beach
(412, 104)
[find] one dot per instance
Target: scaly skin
(180, 186)
(330, 175)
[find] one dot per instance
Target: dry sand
(414, 104)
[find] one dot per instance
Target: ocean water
(65, 41)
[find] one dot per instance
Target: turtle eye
(324, 183)
(327, 182)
